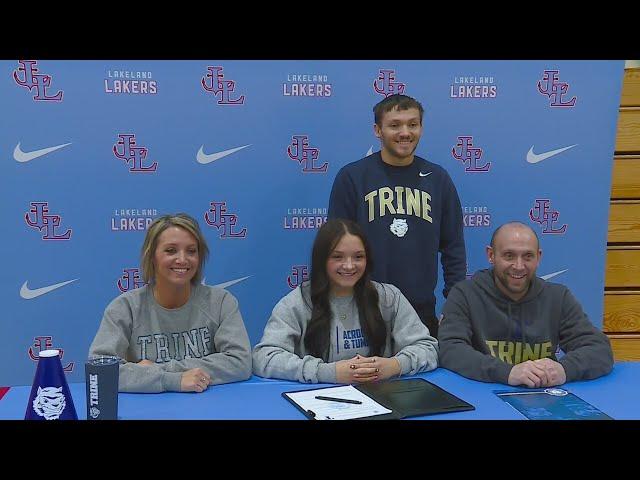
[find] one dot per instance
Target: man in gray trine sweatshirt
(505, 324)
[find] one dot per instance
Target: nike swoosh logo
(229, 283)
(22, 157)
(203, 158)
(425, 174)
(551, 275)
(535, 158)
(28, 294)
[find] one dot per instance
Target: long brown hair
(316, 339)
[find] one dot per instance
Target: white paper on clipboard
(328, 410)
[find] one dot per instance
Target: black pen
(341, 400)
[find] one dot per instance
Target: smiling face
(176, 258)
(346, 265)
(515, 257)
(399, 132)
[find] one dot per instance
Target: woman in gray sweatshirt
(341, 327)
(174, 334)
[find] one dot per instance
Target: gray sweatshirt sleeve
(588, 350)
(457, 352)
(413, 346)
(275, 356)
(113, 338)
(231, 360)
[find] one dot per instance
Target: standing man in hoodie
(408, 208)
(505, 324)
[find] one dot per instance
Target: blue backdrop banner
(95, 150)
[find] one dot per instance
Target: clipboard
(405, 398)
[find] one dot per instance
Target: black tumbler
(101, 376)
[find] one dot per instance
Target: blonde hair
(159, 225)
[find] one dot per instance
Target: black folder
(410, 397)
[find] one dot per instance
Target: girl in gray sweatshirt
(341, 327)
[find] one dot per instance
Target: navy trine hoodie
(408, 214)
(484, 333)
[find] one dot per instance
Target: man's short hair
(397, 101)
(514, 224)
